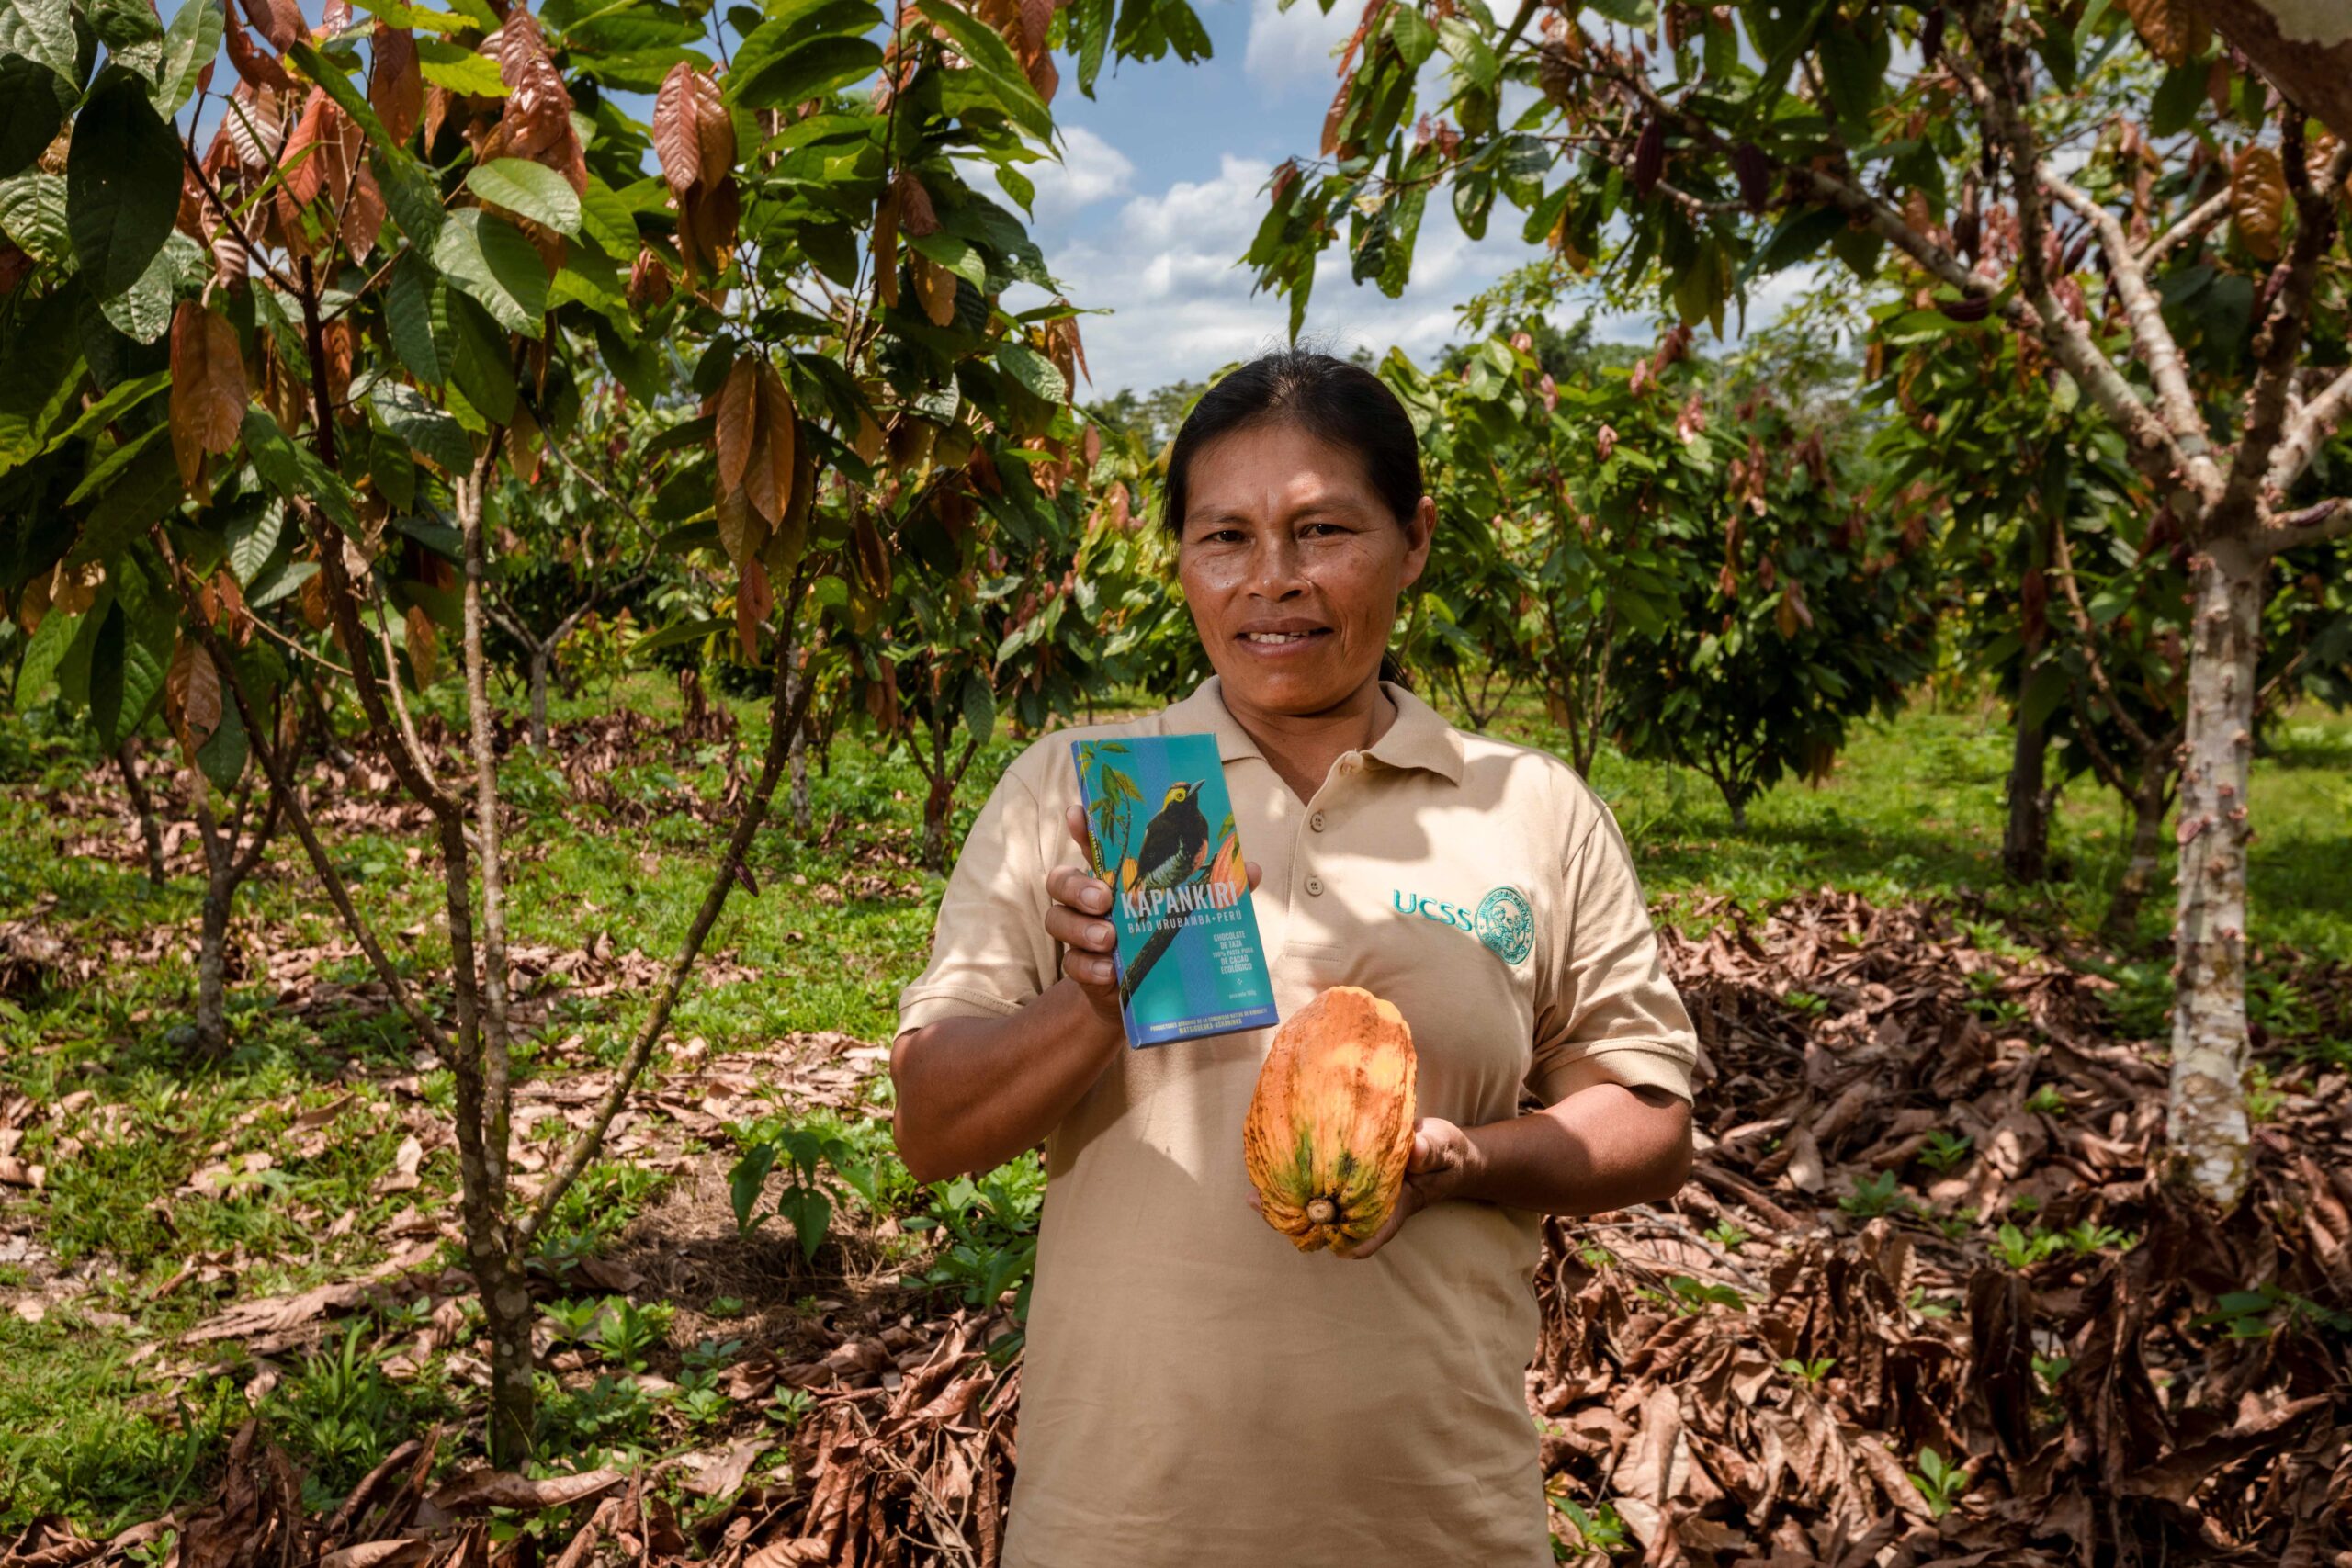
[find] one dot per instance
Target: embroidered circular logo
(1506, 924)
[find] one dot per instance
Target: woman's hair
(1342, 404)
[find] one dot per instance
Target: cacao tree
(283, 363)
(1703, 148)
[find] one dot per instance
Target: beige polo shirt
(1198, 1391)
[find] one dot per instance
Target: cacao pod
(1330, 1127)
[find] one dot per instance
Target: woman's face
(1292, 566)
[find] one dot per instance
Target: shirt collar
(1421, 736)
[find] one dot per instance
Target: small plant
(1920, 1305)
(627, 1333)
(2046, 1100)
(1728, 1236)
(1954, 1227)
(2023, 1249)
(573, 1320)
(989, 1228)
(1874, 1195)
(726, 1306)
(2048, 1369)
(822, 1161)
(1943, 1150)
(789, 1405)
(2261, 1100)
(2246, 1315)
(1687, 1295)
(1806, 1003)
(703, 1406)
(1810, 1372)
(1595, 1257)
(608, 1416)
(2082, 1238)
(1600, 1530)
(1939, 1483)
(2025, 1203)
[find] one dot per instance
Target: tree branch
(2311, 525)
(496, 1054)
(2279, 340)
(2309, 431)
(786, 709)
(282, 784)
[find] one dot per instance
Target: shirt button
(1314, 886)
(1315, 821)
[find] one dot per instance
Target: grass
(90, 1425)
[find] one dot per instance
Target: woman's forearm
(974, 1092)
(1605, 1147)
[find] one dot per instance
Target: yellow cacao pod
(1331, 1125)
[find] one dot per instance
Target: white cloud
(1286, 45)
(1164, 265)
(1091, 170)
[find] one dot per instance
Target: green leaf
(32, 213)
(33, 104)
(253, 540)
(143, 311)
(1416, 40)
(459, 69)
(122, 182)
(978, 707)
(957, 256)
(607, 220)
(295, 472)
(481, 367)
(222, 756)
(1032, 370)
(121, 397)
(134, 646)
(804, 70)
(146, 491)
(42, 655)
(410, 195)
(130, 30)
(410, 317)
(426, 430)
(104, 472)
(42, 32)
(193, 39)
(531, 190)
(491, 260)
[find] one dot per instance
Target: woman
(1198, 1392)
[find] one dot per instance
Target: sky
(1162, 186)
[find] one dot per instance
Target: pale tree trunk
(2207, 1126)
(2025, 845)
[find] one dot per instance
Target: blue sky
(1159, 192)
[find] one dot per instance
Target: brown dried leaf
(2173, 29)
(2258, 198)
(504, 1489)
(737, 417)
(423, 644)
(192, 694)
(935, 287)
(209, 395)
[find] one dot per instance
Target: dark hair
(1336, 403)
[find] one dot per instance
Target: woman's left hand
(1442, 1163)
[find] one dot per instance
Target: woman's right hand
(1078, 915)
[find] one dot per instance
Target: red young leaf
(737, 424)
(395, 89)
(677, 141)
(279, 22)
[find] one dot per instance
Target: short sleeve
(1607, 1011)
(989, 951)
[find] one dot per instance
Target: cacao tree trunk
(2139, 872)
(539, 658)
(213, 964)
(2206, 1127)
(151, 832)
(797, 757)
(2025, 845)
(934, 825)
